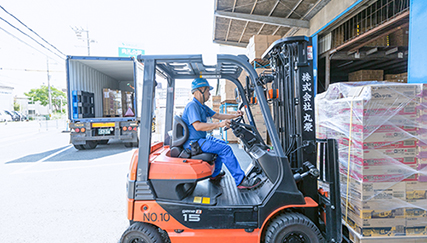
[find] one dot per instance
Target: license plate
(104, 131)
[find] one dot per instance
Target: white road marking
(71, 168)
(40, 160)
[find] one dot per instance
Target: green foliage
(16, 106)
(42, 94)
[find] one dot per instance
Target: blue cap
(198, 83)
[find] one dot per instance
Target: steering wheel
(235, 122)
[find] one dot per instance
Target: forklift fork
(329, 197)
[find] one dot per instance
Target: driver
(194, 115)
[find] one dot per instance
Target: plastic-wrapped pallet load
(381, 131)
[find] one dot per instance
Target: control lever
(310, 170)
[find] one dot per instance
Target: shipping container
(103, 100)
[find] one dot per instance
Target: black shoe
(249, 183)
(218, 177)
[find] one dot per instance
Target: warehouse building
(352, 39)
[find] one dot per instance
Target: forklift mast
(294, 117)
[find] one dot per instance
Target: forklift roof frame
(174, 67)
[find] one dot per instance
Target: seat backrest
(180, 132)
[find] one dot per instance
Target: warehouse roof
(236, 21)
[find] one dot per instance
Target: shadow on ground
(72, 154)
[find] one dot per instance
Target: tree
(42, 94)
(16, 106)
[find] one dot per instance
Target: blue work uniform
(196, 111)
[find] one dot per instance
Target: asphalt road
(51, 192)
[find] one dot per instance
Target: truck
(104, 94)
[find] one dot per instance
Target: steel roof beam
(264, 19)
(230, 43)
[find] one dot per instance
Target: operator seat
(180, 135)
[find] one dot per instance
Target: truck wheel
(141, 232)
(102, 141)
(131, 145)
(90, 145)
(292, 227)
(79, 147)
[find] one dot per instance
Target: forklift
(170, 196)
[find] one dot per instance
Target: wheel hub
(295, 237)
(137, 240)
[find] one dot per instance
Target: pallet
(229, 102)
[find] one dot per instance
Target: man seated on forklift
(195, 116)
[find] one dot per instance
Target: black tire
(90, 145)
(141, 233)
(292, 227)
(131, 145)
(102, 141)
(79, 147)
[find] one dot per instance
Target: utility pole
(49, 90)
(78, 32)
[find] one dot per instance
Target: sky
(158, 27)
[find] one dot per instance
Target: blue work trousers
(225, 155)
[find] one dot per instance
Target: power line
(32, 30)
(30, 70)
(30, 37)
(25, 42)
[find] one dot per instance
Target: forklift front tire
(292, 227)
(141, 232)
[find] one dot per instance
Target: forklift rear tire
(90, 145)
(292, 227)
(79, 147)
(141, 232)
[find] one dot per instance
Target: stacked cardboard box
(382, 41)
(258, 44)
(399, 37)
(227, 91)
(396, 78)
(366, 75)
(380, 130)
(259, 121)
(229, 135)
(216, 103)
(112, 102)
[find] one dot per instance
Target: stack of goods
(396, 78)
(380, 129)
(400, 37)
(227, 92)
(127, 101)
(216, 103)
(381, 41)
(112, 102)
(366, 75)
(228, 135)
(83, 104)
(258, 44)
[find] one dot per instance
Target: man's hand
(225, 123)
(239, 113)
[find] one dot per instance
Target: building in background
(6, 98)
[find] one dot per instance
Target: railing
(377, 13)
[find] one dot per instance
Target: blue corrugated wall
(417, 63)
